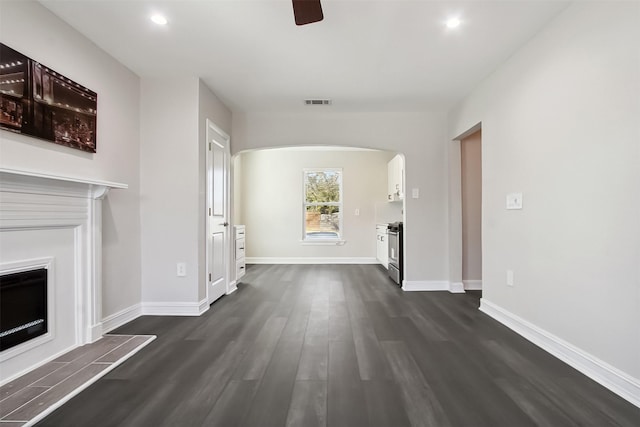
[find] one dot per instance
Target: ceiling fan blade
(307, 11)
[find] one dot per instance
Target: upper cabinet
(395, 187)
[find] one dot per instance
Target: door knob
(224, 224)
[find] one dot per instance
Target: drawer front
(240, 249)
(240, 269)
(239, 231)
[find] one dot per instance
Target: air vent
(317, 101)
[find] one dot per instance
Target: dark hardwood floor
(339, 345)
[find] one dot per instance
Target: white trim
(305, 204)
(456, 287)
(425, 285)
(203, 306)
(472, 285)
(122, 317)
(319, 242)
(95, 332)
(311, 260)
(233, 286)
(33, 201)
(432, 285)
(82, 387)
(612, 378)
(172, 308)
(72, 179)
(129, 314)
(227, 243)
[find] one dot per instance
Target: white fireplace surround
(59, 207)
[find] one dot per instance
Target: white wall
(172, 169)
(34, 31)
(169, 188)
(420, 136)
(560, 123)
(272, 197)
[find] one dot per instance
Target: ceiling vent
(317, 101)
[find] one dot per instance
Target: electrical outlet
(514, 201)
(510, 278)
(181, 269)
(415, 193)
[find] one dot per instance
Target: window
(322, 204)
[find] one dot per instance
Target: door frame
(211, 126)
(455, 209)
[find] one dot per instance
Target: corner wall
(174, 111)
(560, 123)
(34, 31)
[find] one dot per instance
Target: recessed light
(453, 23)
(159, 19)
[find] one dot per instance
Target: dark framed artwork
(37, 101)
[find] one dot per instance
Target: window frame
(327, 240)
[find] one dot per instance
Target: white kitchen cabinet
(395, 187)
(239, 233)
(382, 245)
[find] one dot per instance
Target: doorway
(217, 212)
(471, 206)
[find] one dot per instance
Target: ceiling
(366, 55)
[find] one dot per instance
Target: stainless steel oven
(395, 252)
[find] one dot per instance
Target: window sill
(319, 242)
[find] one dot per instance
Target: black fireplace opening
(23, 307)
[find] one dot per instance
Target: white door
(217, 211)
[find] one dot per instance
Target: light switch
(514, 201)
(415, 193)
(357, 213)
(509, 277)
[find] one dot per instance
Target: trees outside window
(322, 204)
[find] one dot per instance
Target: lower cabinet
(382, 245)
(239, 231)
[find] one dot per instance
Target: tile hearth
(28, 398)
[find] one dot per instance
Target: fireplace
(23, 307)
(50, 227)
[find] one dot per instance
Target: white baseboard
(432, 285)
(95, 332)
(456, 287)
(424, 285)
(612, 378)
(311, 260)
(233, 286)
(203, 306)
(472, 285)
(173, 308)
(118, 319)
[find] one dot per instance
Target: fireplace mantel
(57, 218)
(25, 181)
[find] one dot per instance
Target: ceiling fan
(307, 11)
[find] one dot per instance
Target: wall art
(37, 101)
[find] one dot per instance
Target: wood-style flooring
(339, 345)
